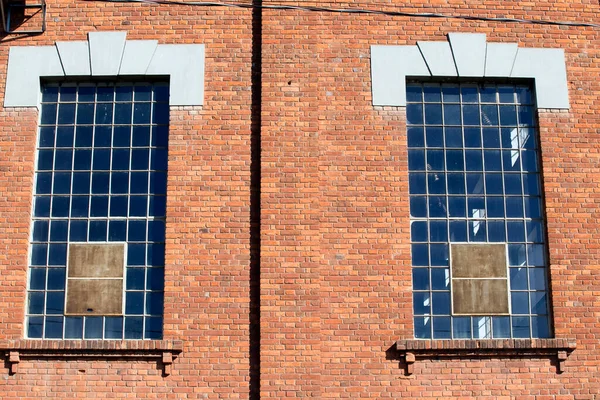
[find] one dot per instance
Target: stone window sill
(162, 351)
(412, 350)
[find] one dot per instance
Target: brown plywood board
(478, 260)
(96, 260)
(480, 296)
(94, 297)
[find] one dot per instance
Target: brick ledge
(412, 349)
(163, 351)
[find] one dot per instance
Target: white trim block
(438, 57)
(137, 56)
(469, 51)
(106, 51)
(75, 57)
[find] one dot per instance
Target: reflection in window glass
(100, 177)
(474, 177)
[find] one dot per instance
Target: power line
(358, 11)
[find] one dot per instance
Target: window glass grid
(100, 177)
(474, 177)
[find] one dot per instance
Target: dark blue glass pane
(160, 135)
(431, 93)
(139, 159)
(135, 278)
(414, 114)
(154, 303)
(122, 136)
(469, 94)
(133, 327)
(123, 93)
(455, 160)
(441, 328)
(527, 138)
(418, 206)
(526, 116)
(160, 114)
(153, 328)
(156, 231)
(418, 231)
(81, 183)
(73, 327)
(85, 114)
(84, 136)
(158, 182)
(436, 183)
(78, 231)
(456, 183)
(492, 160)
(441, 303)
(512, 183)
(43, 183)
(63, 160)
(474, 183)
(68, 93)
(54, 328)
(138, 206)
(454, 137)
(491, 138)
(49, 93)
(47, 136)
(437, 207)
(36, 302)
(139, 182)
(99, 206)
(57, 254)
(506, 94)
(438, 231)
(416, 160)
(470, 114)
(472, 137)
(488, 94)
(516, 255)
(48, 114)
(439, 254)
(117, 231)
(101, 159)
(55, 303)
(79, 206)
(157, 206)
(105, 93)
(508, 115)
(496, 231)
(519, 302)
(93, 327)
(511, 160)
(98, 231)
(434, 136)
(120, 159)
(113, 328)
(458, 231)
(452, 114)
(520, 327)
(433, 114)
(118, 206)
(451, 94)
(423, 327)
(141, 136)
(137, 231)
(501, 327)
(440, 278)
(40, 231)
(58, 231)
(65, 136)
(462, 327)
(161, 93)
(66, 114)
(421, 302)
(38, 254)
(537, 278)
(435, 160)
(534, 231)
(473, 160)
(529, 161)
(119, 183)
(134, 303)
(104, 113)
(416, 183)
(83, 160)
(136, 254)
(415, 137)
(100, 181)
(530, 184)
(477, 231)
(141, 113)
(514, 207)
(516, 231)
(86, 93)
(37, 278)
(35, 326)
(156, 255)
(538, 303)
(476, 207)
(56, 279)
(123, 113)
(62, 183)
(143, 93)
(493, 184)
(420, 278)
(495, 207)
(540, 327)
(420, 255)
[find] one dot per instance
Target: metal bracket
(8, 7)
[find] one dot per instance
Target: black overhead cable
(358, 11)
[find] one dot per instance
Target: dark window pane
(47, 136)
(119, 183)
(535, 255)
(508, 115)
(418, 205)
(142, 93)
(123, 93)
(53, 328)
(79, 206)
(519, 302)
(63, 160)
(454, 137)
(49, 93)
(495, 207)
(474, 161)
(537, 278)
(138, 206)
(437, 207)
(470, 114)
(514, 207)
(100, 181)
(57, 254)
(62, 183)
(141, 136)
(506, 94)
(117, 231)
(85, 114)
(104, 113)
(418, 231)
(156, 255)
(113, 328)
(501, 327)
(98, 231)
(540, 327)
(73, 327)
(512, 183)
(68, 93)
(516, 231)
(520, 327)
(40, 231)
(43, 183)
(99, 206)
(420, 255)
(56, 278)
(78, 231)
(423, 327)
(66, 114)
(135, 278)
(36, 302)
(42, 206)
(454, 160)
(451, 94)
(37, 278)
(86, 93)
(487, 94)
(153, 328)
(441, 303)
(133, 327)
(160, 114)
(538, 303)
(456, 207)
(35, 326)
(440, 279)
(83, 160)
(101, 159)
(55, 303)
(441, 328)
(511, 160)
(118, 206)
(416, 184)
(433, 114)
(134, 303)
(439, 254)
(414, 114)
(139, 159)
(477, 231)
(516, 255)
(48, 114)
(154, 303)
(438, 231)
(122, 136)
(458, 231)
(526, 116)
(93, 327)
(420, 278)
(141, 113)
(120, 159)
(456, 183)
(434, 136)
(472, 137)
(474, 183)
(492, 160)
(531, 184)
(431, 93)
(462, 327)
(452, 114)
(493, 184)
(415, 137)
(139, 182)
(136, 254)
(496, 231)
(436, 183)
(160, 135)
(137, 231)
(65, 136)
(58, 231)
(421, 302)
(123, 113)
(416, 160)
(81, 183)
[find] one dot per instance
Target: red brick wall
(335, 255)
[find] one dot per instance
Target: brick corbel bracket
(412, 350)
(162, 351)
